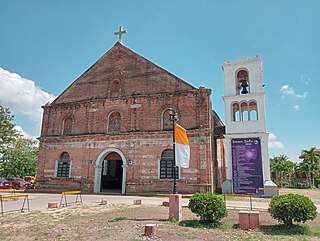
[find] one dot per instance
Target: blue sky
(46, 45)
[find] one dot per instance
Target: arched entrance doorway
(110, 172)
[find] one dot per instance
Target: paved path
(39, 201)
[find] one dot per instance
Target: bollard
(166, 204)
(175, 207)
(53, 205)
(249, 219)
(137, 202)
(150, 230)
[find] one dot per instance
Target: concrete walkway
(39, 201)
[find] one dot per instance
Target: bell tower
(248, 167)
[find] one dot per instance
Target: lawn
(126, 222)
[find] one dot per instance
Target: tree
(20, 159)
(18, 155)
(311, 164)
(282, 165)
(7, 132)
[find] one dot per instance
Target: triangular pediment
(122, 72)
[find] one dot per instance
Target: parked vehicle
(18, 183)
(5, 184)
(31, 179)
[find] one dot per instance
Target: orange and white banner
(182, 149)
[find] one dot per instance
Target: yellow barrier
(12, 191)
(269, 189)
(14, 197)
(64, 197)
(71, 192)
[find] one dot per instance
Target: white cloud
(286, 90)
(22, 96)
(24, 133)
(274, 143)
(296, 107)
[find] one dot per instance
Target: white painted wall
(245, 126)
(254, 67)
(245, 129)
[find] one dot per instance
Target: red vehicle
(5, 184)
(18, 183)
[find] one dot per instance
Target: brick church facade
(109, 131)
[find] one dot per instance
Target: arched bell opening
(242, 82)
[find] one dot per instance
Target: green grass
(294, 230)
(197, 224)
(118, 219)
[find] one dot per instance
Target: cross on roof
(120, 32)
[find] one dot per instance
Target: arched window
(242, 85)
(166, 123)
(166, 166)
(114, 122)
(115, 88)
(253, 111)
(115, 85)
(67, 126)
(244, 111)
(63, 165)
(235, 112)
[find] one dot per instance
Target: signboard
(246, 165)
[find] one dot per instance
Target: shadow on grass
(197, 224)
(119, 219)
(283, 230)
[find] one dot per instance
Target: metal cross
(121, 31)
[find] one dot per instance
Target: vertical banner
(246, 165)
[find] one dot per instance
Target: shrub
(299, 183)
(208, 206)
(292, 207)
(284, 183)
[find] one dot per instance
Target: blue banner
(246, 165)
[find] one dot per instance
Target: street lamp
(173, 115)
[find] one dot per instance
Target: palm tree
(282, 165)
(311, 164)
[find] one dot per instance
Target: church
(110, 131)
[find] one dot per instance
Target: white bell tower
(248, 167)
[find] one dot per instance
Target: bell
(244, 90)
(244, 84)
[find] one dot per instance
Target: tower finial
(120, 32)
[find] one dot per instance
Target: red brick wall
(142, 150)
(142, 113)
(141, 140)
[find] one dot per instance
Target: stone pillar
(150, 230)
(249, 219)
(175, 207)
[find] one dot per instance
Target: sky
(46, 45)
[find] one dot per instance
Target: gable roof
(123, 71)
